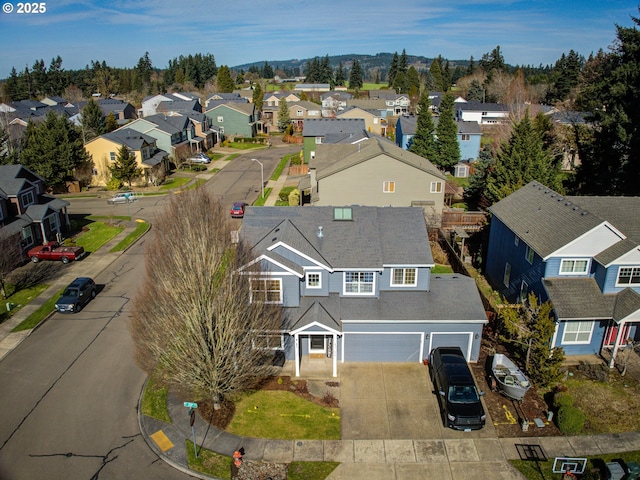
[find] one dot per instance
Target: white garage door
(387, 347)
(458, 339)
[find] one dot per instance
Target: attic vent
(575, 208)
(277, 229)
(342, 213)
(568, 203)
(320, 234)
(583, 213)
(553, 195)
(560, 199)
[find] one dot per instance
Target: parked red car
(55, 251)
(237, 211)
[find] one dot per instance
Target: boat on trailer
(509, 378)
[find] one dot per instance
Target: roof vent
(320, 234)
(553, 195)
(583, 213)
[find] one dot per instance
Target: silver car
(126, 197)
(199, 158)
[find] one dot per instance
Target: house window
(529, 254)
(268, 341)
(112, 156)
(28, 198)
(299, 113)
(318, 140)
(342, 213)
(577, 332)
(628, 276)
(220, 119)
(524, 288)
(465, 137)
(404, 277)
(388, 186)
(266, 290)
(27, 237)
(516, 240)
(436, 187)
(358, 283)
(578, 266)
(507, 274)
(314, 280)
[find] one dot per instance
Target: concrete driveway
(393, 401)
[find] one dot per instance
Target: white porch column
(44, 235)
(297, 354)
(616, 345)
(334, 354)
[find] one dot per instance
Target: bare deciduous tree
(9, 259)
(193, 323)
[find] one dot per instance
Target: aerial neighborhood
(418, 211)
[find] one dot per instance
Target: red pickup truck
(55, 251)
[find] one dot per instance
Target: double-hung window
(529, 254)
(28, 198)
(266, 290)
(628, 276)
(388, 186)
(574, 266)
(436, 187)
(268, 341)
(404, 277)
(314, 280)
(359, 283)
(577, 332)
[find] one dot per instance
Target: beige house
(301, 110)
(104, 151)
(373, 121)
(374, 172)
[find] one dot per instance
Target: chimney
(319, 234)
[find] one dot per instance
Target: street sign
(190, 405)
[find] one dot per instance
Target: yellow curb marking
(162, 440)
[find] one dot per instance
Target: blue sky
(242, 31)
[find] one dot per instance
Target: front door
(612, 333)
(317, 346)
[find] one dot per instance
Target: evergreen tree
(125, 167)
(93, 124)
(144, 70)
(267, 71)
(436, 74)
(403, 63)
(476, 92)
(355, 77)
(110, 123)
(393, 69)
(11, 86)
(56, 77)
(447, 133)
(283, 115)
(224, 81)
(39, 78)
(53, 149)
(446, 76)
(401, 83)
(521, 160)
(413, 78)
(326, 74)
(474, 193)
(340, 78)
(471, 68)
(258, 96)
(423, 142)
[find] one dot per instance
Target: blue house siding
(323, 291)
(593, 347)
(609, 285)
(469, 149)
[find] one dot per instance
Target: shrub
(570, 420)
(294, 197)
(562, 399)
(284, 193)
(114, 184)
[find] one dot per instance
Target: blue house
(582, 253)
(354, 290)
(469, 135)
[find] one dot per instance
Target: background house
(234, 119)
(332, 131)
(353, 289)
(27, 214)
(582, 253)
(482, 113)
(373, 121)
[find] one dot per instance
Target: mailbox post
(192, 419)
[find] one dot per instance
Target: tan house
(104, 151)
(373, 121)
(374, 172)
(301, 110)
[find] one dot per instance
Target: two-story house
(374, 172)
(28, 214)
(153, 161)
(175, 134)
(302, 110)
(234, 119)
(331, 130)
(581, 253)
(334, 102)
(354, 289)
(482, 113)
(396, 103)
(373, 120)
(150, 104)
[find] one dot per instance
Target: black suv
(457, 393)
(76, 295)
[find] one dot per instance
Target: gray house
(356, 286)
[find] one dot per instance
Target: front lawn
(284, 415)
(175, 182)
(99, 233)
(154, 401)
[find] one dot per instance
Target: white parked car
(199, 158)
(126, 197)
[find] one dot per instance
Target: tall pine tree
(125, 167)
(423, 142)
(355, 77)
(447, 133)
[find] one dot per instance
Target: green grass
(216, 156)
(99, 233)
(141, 229)
(310, 470)
(278, 171)
(442, 269)
(533, 472)
(154, 401)
(208, 462)
(246, 146)
(39, 315)
(111, 218)
(284, 415)
(232, 156)
(260, 200)
(175, 182)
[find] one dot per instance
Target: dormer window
(628, 276)
(342, 213)
(314, 280)
(359, 283)
(28, 198)
(576, 266)
(266, 290)
(404, 277)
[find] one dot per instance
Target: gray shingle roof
(370, 240)
(318, 127)
(129, 137)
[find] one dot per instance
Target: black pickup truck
(456, 390)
